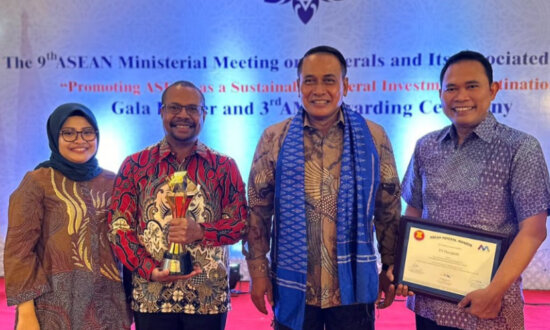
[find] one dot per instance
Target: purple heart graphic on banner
(305, 9)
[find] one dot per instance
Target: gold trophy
(177, 259)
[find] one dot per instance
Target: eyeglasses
(191, 109)
(70, 134)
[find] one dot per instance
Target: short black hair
(326, 50)
(468, 55)
(183, 83)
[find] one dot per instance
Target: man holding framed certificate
(486, 184)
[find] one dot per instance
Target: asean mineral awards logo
(303, 8)
(418, 235)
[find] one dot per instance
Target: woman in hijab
(59, 268)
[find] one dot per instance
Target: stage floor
(397, 317)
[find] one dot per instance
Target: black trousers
(349, 317)
(179, 321)
(423, 323)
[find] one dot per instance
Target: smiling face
(80, 150)
(466, 95)
(322, 86)
(182, 128)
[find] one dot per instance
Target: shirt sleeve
(387, 209)
(24, 276)
(261, 190)
(412, 182)
(231, 228)
(123, 223)
(530, 185)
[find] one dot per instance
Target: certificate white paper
(447, 262)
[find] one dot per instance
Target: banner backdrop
(118, 56)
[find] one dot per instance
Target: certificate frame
(492, 245)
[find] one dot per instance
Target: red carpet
(397, 317)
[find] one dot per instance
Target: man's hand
(26, 316)
(159, 275)
(261, 286)
(385, 285)
(482, 303)
(184, 231)
(403, 290)
(486, 303)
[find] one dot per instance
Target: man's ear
(495, 87)
(346, 84)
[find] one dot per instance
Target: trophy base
(180, 264)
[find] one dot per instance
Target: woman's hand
(26, 316)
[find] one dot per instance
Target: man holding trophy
(176, 260)
(176, 206)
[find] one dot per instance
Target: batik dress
(58, 255)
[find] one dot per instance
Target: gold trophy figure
(177, 259)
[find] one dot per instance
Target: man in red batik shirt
(215, 218)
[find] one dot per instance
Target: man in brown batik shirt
(323, 83)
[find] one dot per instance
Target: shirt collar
(199, 149)
(339, 120)
(485, 130)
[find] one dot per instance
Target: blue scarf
(359, 178)
(74, 171)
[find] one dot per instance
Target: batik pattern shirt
(140, 215)
(495, 179)
(322, 181)
(57, 252)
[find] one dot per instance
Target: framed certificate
(446, 261)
